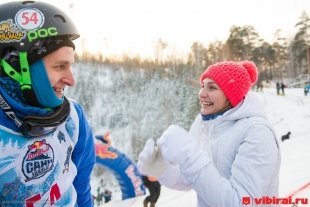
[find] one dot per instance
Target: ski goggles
(35, 126)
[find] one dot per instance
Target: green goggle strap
(22, 78)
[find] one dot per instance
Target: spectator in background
(259, 86)
(306, 89)
(107, 196)
(152, 184)
(278, 87)
(283, 86)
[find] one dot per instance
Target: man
(154, 188)
(107, 196)
(46, 145)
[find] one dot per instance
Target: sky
(295, 153)
(122, 26)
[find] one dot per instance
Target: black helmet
(24, 22)
(30, 30)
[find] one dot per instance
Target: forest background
(138, 98)
(135, 99)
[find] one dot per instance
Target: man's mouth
(59, 92)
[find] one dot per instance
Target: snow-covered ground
(287, 113)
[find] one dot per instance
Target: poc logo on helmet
(41, 33)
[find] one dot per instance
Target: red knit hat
(234, 78)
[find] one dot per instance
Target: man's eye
(60, 67)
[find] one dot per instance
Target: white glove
(178, 147)
(150, 161)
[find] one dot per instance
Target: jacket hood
(251, 106)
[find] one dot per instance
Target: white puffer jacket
(245, 158)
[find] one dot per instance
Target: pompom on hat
(234, 78)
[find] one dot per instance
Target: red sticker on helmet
(29, 19)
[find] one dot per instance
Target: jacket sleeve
(84, 158)
(172, 178)
(256, 164)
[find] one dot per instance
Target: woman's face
(212, 98)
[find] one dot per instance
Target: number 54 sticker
(29, 19)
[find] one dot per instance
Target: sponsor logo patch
(38, 161)
(9, 32)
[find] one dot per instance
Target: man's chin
(60, 96)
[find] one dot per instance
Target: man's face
(58, 68)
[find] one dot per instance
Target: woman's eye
(212, 88)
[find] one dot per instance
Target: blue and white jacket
(52, 170)
(244, 159)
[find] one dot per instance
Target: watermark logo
(246, 200)
(267, 200)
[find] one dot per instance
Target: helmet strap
(22, 78)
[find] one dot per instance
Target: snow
(289, 112)
(168, 198)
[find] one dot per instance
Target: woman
(230, 156)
